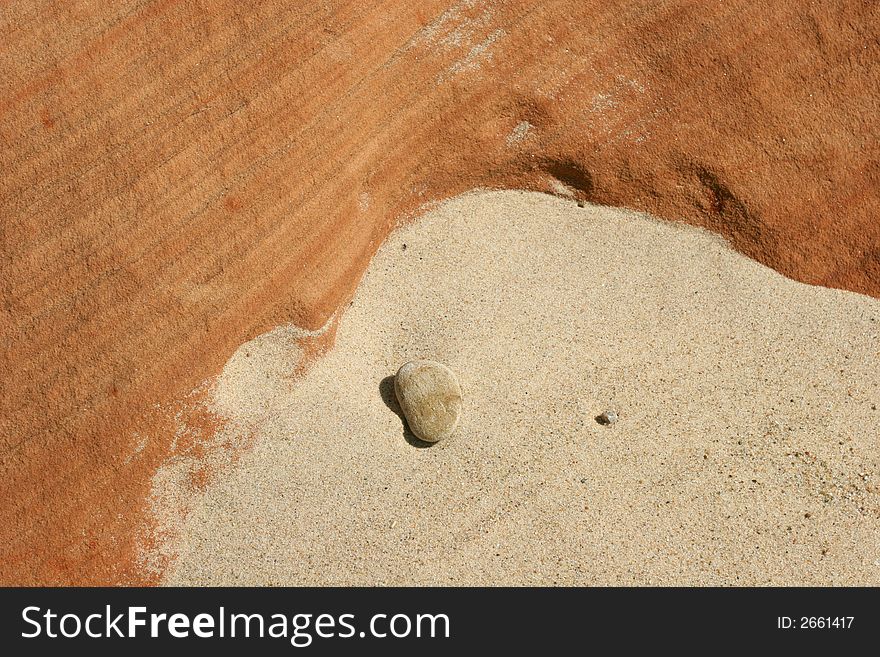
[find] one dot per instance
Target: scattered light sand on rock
(746, 449)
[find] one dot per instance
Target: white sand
(746, 451)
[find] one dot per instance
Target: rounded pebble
(430, 398)
(607, 417)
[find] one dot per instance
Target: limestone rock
(430, 398)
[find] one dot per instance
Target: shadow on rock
(386, 390)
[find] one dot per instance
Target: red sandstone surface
(178, 177)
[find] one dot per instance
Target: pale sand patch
(746, 451)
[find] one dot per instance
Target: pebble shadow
(386, 390)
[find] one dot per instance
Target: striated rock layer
(178, 177)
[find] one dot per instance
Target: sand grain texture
(745, 453)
